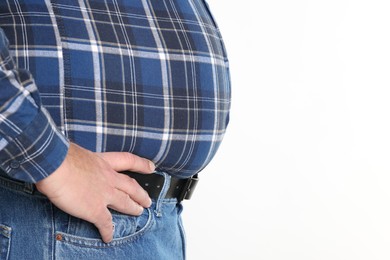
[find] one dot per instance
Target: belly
(147, 77)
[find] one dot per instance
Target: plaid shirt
(148, 77)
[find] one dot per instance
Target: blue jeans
(31, 227)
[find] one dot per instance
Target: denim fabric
(33, 228)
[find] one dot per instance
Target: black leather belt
(153, 184)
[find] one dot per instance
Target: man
(93, 89)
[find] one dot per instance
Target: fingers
(122, 161)
(133, 190)
(121, 202)
(103, 223)
(86, 184)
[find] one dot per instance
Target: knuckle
(110, 195)
(134, 188)
(133, 182)
(122, 199)
(128, 184)
(100, 214)
(131, 158)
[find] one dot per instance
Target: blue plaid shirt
(148, 77)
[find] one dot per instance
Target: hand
(87, 184)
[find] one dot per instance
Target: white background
(303, 172)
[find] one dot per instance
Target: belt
(153, 183)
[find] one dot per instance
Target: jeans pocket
(5, 238)
(126, 229)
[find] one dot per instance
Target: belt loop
(189, 188)
(167, 180)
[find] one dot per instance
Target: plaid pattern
(149, 77)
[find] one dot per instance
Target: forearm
(31, 147)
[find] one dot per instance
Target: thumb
(123, 161)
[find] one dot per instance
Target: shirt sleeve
(31, 146)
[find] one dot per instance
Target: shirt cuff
(36, 153)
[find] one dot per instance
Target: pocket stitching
(5, 231)
(98, 243)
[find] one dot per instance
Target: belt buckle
(188, 188)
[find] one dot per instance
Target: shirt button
(14, 164)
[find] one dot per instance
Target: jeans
(31, 227)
